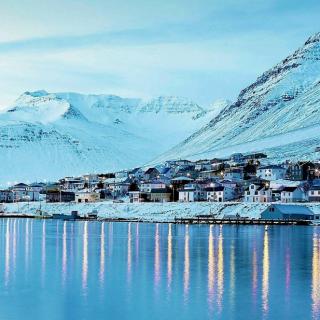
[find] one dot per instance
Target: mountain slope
(279, 113)
(50, 135)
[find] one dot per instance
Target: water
(94, 270)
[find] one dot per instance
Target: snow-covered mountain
(50, 135)
(278, 114)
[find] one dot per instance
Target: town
(241, 178)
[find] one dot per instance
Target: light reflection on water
(85, 270)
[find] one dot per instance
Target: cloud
(200, 49)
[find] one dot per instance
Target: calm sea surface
(94, 270)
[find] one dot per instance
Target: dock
(239, 221)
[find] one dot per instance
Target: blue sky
(200, 49)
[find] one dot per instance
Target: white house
(216, 194)
(135, 196)
(314, 194)
(87, 197)
(272, 172)
(72, 183)
(148, 186)
(191, 192)
(258, 193)
(293, 194)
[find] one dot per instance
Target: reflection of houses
(87, 197)
(258, 193)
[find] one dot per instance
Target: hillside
(50, 135)
(278, 114)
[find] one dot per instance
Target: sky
(201, 49)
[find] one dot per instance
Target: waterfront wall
(161, 212)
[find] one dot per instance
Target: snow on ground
(156, 212)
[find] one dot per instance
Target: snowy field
(154, 212)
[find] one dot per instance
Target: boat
(40, 214)
(66, 217)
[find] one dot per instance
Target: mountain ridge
(267, 107)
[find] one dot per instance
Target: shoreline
(149, 212)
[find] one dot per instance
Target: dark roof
(151, 170)
(272, 166)
(219, 188)
(315, 188)
(289, 189)
(133, 171)
(160, 191)
(20, 185)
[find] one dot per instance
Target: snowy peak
(40, 107)
(91, 133)
(171, 104)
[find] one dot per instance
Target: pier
(238, 221)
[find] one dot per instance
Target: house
(192, 192)
(151, 174)
(293, 194)
(271, 172)
(258, 193)
(72, 183)
(300, 171)
(255, 156)
(117, 186)
(121, 174)
(220, 193)
(135, 196)
(234, 174)
(203, 165)
(287, 211)
(6, 196)
(136, 174)
(91, 181)
(60, 196)
(314, 194)
(237, 158)
(208, 174)
(87, 197)
(160, 195)
(155, 195)
(167, 172)
(216, 194)
(152, 185)
(24, 192)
